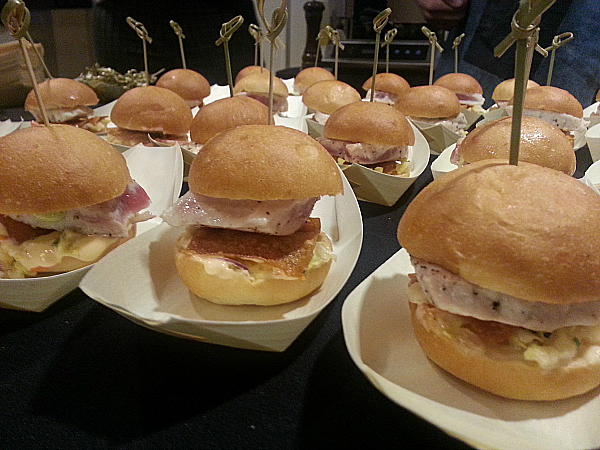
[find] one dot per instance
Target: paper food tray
(379, 336)
(438, 136)
(592, 137)
(442, 163)
(145, 287)
(159, 171)
(587, 114)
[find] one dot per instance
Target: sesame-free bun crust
(370, 123)
(309, 76)
(58, 167)
(460, 83)
(189, 84)
(329, 95)
(258, 83)
(152, 109)
(525, 230)
(266, 291)
(507, 377)
(264, 162)
(61, 93)
(248, 70)
(504, 90)
(387, 82)
(541, 143)
(226, 113)
(430, 102)
(550, 98)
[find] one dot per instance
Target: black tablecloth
(80, 376)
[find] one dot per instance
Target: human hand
(443, 14)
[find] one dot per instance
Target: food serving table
(79, 375)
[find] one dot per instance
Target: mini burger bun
(370, 123)
(152, 109)
(504, 91)
(521, 230)
(264, 162)
(329, 95)
(460, 83)
(550, 98)
(63, 167)
(431, 102)
(189, 84)
(264, 291)
(541, 143)
(309, 76)
(248, 70)
(387, 82)
(507, 377)
(61, 93)
(226, 113)
(258, 83)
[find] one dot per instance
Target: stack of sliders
(189, 84)
(505, 294)
(504, 91)
(66, 199)
(325, 97)
(66, 101)
(309, 76)
(249, 237)
(373, 134)
(432, 105)
(557, 107)
(223, 114)
(388, 86)
(540, 143)
(256, 86)
(467, 89)
(148, 113)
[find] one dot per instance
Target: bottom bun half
(508, 375)
(221, 281)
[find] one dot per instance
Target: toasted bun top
(264, 162)
(56, 168)
(248, 70)
(550, 98)
(258, 83)
(525, 230)
(387, 82)
(61, 93)
(429, 102)
(152, 109)
(225, 113)
(329, 95)
(309, 76)
(541, 143)
(504, 91)
(598, 96)
(189, 84)
(370, 123)
(460, 83)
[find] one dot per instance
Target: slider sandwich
(256, 86)
(189, 84)
(373, 134)
(506, 289)
(66, 101)
(540, 143)
(432, 105)
(504, 91)
(388, 86)
(149, 112)
(467, 89)
(249, 237)
(309, 76)
(66, 199)
(556, 106)
(325, 97)
(249, 70)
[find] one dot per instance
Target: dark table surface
(81, 376)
